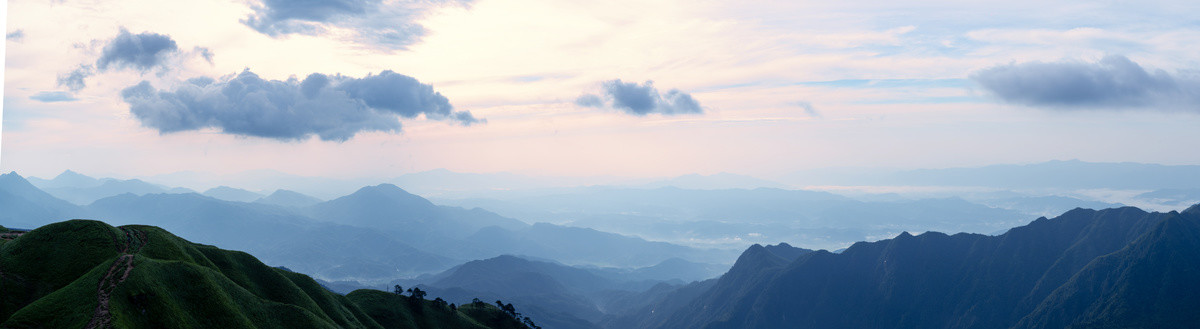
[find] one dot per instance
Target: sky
(379, 88)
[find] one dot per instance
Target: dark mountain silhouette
(232, 194)
(24, 206)
(288, 198)
(1113, 268)
(87, 274)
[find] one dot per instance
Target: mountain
(559, 296)
(277, 235)
(1119, 267)
(108, 187)
(667, 270)
(84, 273)
(26, 206)
(66, 179)
(287, 198)
(232, 194)
(389, 207)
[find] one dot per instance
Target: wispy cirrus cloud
(332, 107)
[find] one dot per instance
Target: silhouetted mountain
(287, 198)
(24, 206)
(232, 194)
(1111, 268)
(87, 274)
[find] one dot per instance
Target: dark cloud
(53, 96)
(334, 108)
(390, 25)
(143, 51)
(1112, 83)
(642, 99)
(17, 35)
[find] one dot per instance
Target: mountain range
(1112, 268)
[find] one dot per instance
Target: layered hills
(87, 274)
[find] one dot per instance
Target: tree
(398, 290)
(417, 293)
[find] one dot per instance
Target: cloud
(808, 109)
(332, 107)
(640, 100)
(143, 51)
(74, 80)
(1114, 82)
(390, 25)
(17, 35)
(53, 96)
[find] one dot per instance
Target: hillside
(1113, 268)
(88, 274)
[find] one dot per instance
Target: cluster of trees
(418, 294)
(414, 292)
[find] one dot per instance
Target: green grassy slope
(87, 274)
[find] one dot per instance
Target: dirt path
(117, 273)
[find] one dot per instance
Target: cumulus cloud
(1114, 82)
(53, 96)
(390, 25)
(640, 99)
(332, 107)
(143, 52)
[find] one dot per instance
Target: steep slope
(26, 206)
(88, 274)
(1091, 265)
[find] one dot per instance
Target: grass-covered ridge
(87, 274)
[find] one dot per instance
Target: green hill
(87, 274)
